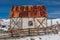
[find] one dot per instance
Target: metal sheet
(28, 11)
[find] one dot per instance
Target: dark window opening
(3, 26)
(30, 23)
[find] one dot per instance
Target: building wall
(24, 23)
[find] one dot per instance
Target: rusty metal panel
(25, 8)
(13, 8)
(24, 14)
(30, 8)
(28, 11)
(11, 14)
(22, 8)
(16, 14)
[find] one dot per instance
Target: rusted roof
(28, 11)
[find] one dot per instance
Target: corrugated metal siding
(28, 11)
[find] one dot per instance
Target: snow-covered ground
(4, 21)
(44, 37)
(54, 21)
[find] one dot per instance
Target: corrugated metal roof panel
(28, 11)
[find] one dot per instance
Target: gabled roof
(28, 11)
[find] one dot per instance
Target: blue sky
(52, 6)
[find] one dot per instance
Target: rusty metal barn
(29, 21)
